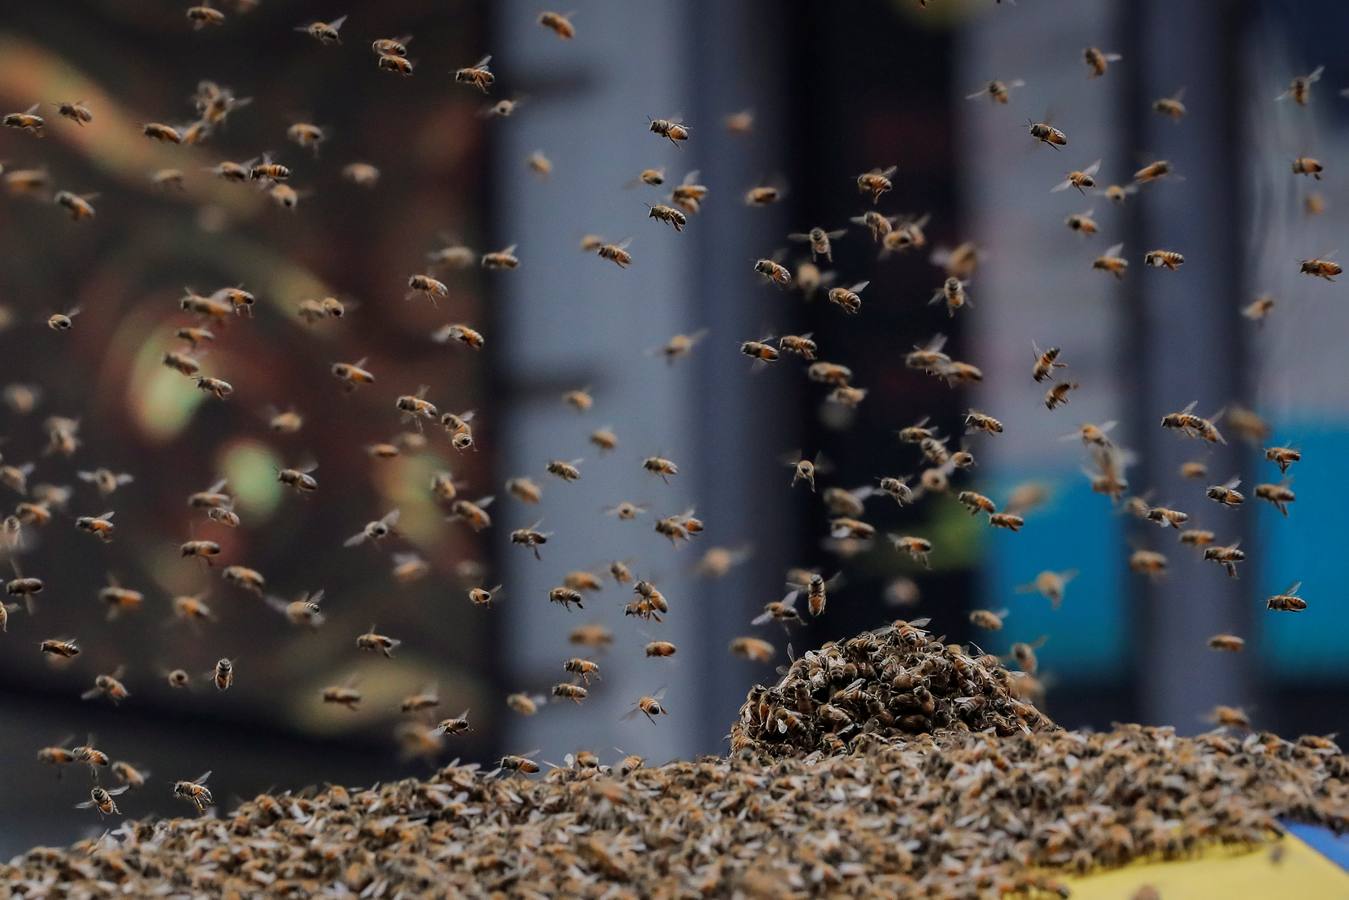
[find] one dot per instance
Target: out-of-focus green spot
(957, 537)
(251, 470)
(161, 400)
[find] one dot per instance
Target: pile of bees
(888, 683)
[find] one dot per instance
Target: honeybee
(472, 513)
(997, 91)
(688, 195)
(1314, 203)
(361, 174)
(1047, 134)
(987, 619)
(109, 686)
(1226, 493)
(1098, 61)
(753, 649)
(1167, 259)
(820, 240)
(352, 375)
(1229, 717)
(28, 121)
(376, 530)
(521, 763)
(1153, 171)
(101, 800)
(100, 526)
(16, 477)
(531, 538)
(616, 253)
(650, 706)
(204, 15)
(1110, 261)
(1288, 601)
(223, 674)
(848, 298)
(660, 649)
(77, 205)
(604, 438)
(1227, 557)
(217, 387)
(626, 511)
(1187, 423)
(106, 480)
(1259, 308)
(119, 599)
(800, 344)
(166, 178)
(953, 293)
(1171, 106)
(302, 479)
(1058, 395)
(916, 547)
(244, 578)
(192, 608)
(409, 567)
(21, 399)
(76, 112)
(344, 694)
(325, 33)
(63, 321)
(377, 643)
(877, 224)
(1196, 537)
(129, 775)
(304, 611)
(1283, 457)
(663, 213)
(573, 692)
(1010, 521)
(667, 128)
(524, 489)
(1082, 180)
(976, 502)
(1082, 223)
(181, 363)
(583, 669)
(1117, 193)
(428, 286)
(876, 182)
(481, 596)
(1323, 267)
(1280, 495)
(525, 704)
(567, 470)
(502, 109)
(399, 65)
(1226, 642)
(416, 407)
(456, 725)
(1148, 562)
(178, 678)
(158, 131)
(1306, 165)
(267, 170)
(391, 46)
(195, 792)
(928, 357)
(619, 571)
(1164, 515)
(817, 588)
(203, 550)
(238, 299)
(25, 181)
(204, 307)
(774, 271)
(1300, 88)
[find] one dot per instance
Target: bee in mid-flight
(820, 241)
(1048, 134)
(558, 24)
(1321, 267)
(1172, 107)
(668, 128)
(195, 792)
(1098, 61)
(997, 91)
(876, 182)
(1082, 180)
(376, 530)
(324, 32)
(28, 121)
(1300, 88)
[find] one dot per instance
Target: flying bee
(109, 686)
(223, 674)
(502, 109)
(1226, 642)
(849, 298)
(1058, 395)
(774, 271)
(1050, 585)
(829, 373)
(679, 345)
(325, 33)
(876, 182)
(1098, 61)
(26, 181)
(997, 91)
(1323, 267)
(651, 177)
(1306, 165)
(1153, 171)
(987, 619)
(63, 321)
(429, 287)
(1172, 107)
(1082, 223)
(182, 363)
(952, 292)
(1197, 537)
(567, 470)
(1010, 521)
(1046, 361)
(663, 213)
(928, 357)
(304, 611)
(1164, 259)
(1259, 308)
(416, 407)
(573, 692)
(100, 526)
(1229, 717)
(391, 46)
(820, 240)
(302, 479)
(195, 792)
(916, 547)
(1227, 557)
(101, 800)
(239, 299)
(1280, 495)
(217, 387)
(361, 174)
(1047, 134)
(342, 695)
(879, 225)
(626, 511)
(129, 775)
(119, 599)
(1164, 516)
(753, 649)
(521, 763)
(660, 466)
(817, 588)
(204, 550)
(524, 489)
(456, 725)
(1148, 562)
(1187, 423)
(539, 164)
(158, 131)
(1300, 88)
(481, 596)
(75, 111)
(352, 375)
(377, 643)
(934, 450)
(1082, 180)
(531, 538)
(800, 344)
(427, 699)
(1094, 435)
(1226, 494)
(977, 502)
(649, 706)
(399, 65)
(284, 196)
(192, 608)
(77, 205)
(1111, 261)
(244, 578)
(896, 488)
(1288, 601)
(616, 253)
(604, 438)
(409, 568)
(810, 279)
(977, 421)
(1117, 193)
(472, 513)
(620, 573)
(805, 469)
(688, 195)
(1314, 204)
(376, 530)
(668, 128)
(206, 308)
(165, 179)
(1283, 457)
(584, 669)
(106, 480)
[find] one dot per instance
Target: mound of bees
(952, 812)
(889, 683)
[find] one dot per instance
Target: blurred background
(834, 90)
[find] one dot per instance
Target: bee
(101, 800)
(204, 15)
(567, 470)
(416, 407)
(454, 256)
(106, 480)
(77, 205)
(987, 619)
(1050, 585)
(799, 344)
(25, 181)
(626, 511)
(21, 399)
(223, 674)
(376, 530)
(377, 643)
(953, 293)
(663, 213)
(1082, 180)
(848, 298)
(342, 695)
(325, 33)
(1164, 515)
(1046, 361)
(531, 538)
(1058, 395)
(409, 567)
(1314, 203)
(1321, 268)
(352, 375)
(391, 46)
(244, 578)
(1229, 717)
(1226, 493)
(1082, 223)
(1227, 557)
(76, 112)
(1283, 457)
(302, 479)
(1172, 106)
(129, 775)
(650, 706)
(573, 692)
(109, 686)
(976, 502)
(817, 588)
(916, 547)
(430, 287)
(616, 253)
(928, 357)
(1187, 423)
(182, 363)
(217, 387)
(119, 599)
(1288, 601)
(877, 224)
(997, 91)
(284, 196)
(63, 321)
(1010, 521)
(158, 131)
(166, 178)
(1112, 262)
(620, 573)
(820, 240)
(473, 513)
(192, 608)
(361, 174)
(1167, 259)
(1280, 495)
(583, 669)
(399, 65)
(1153, 171)
(456, 725)
(1148, 562)
(195, 792)
(28, 121)
(204, 307)
(519, 764)
(304, 611)
(651, 177)
(688, 195)
(1047, 134)
(753, 649)
(1300, 88)
(1259, 308)
(668, 128)
(1227, 642)
(1306, 165)
(100, 526)
(200, 550)
(502, 109)
(774, 271)
(1117, 194)
(1196, 537)
(524, 489)
(481, 596)
(876, 182)
(1098, 61)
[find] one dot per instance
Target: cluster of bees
(884, 686)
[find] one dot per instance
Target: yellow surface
(1301, 874)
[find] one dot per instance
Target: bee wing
(1016, 83)
(983, 91)
(337, 23)
(1107, 427)
(789, 601)
(218, 486)
(484, 502)
(1232, 483)
(105, 516)
(630, 714)
(125, 478)
(1061, 186)
(391, 517)
(692, 177)
(836, 233)
(1315, 74)
(355, 539)
(859, 287)
(315, 598)
(798, 236)
(1178, 95)
(119, 790)
(1093, 168)
(1114, 249)
(1189, 407)
(1112, 57)
(201, 779)
(482, 63)
(87, 476)
(276, 603)
(1293, 588)
(87, 804)
(91, 693)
